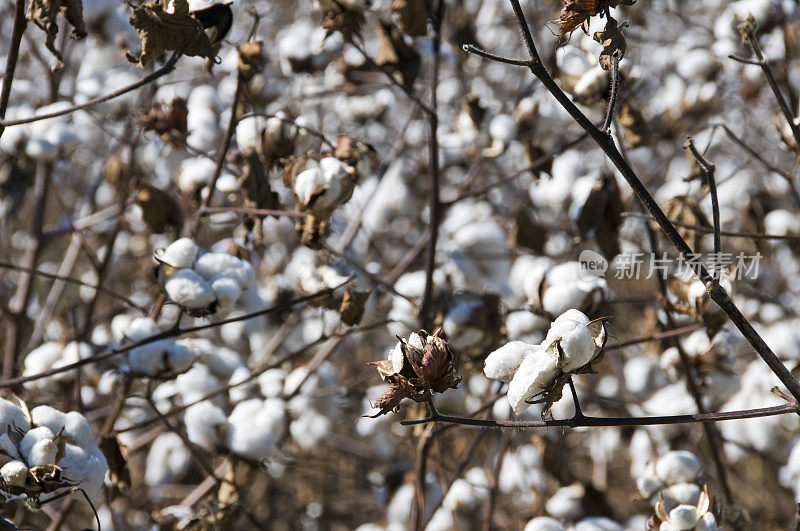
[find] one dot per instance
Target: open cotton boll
(226, 289)
(140, 328)
(32, 437)
(195, 173)
(309, 429)
(503, 363)
(255, 427)
(598, 523)
(535, 372)
(271, 382)
(678, 466)
(242, 391)
(566, 502)
(41, 358)
(576, 342)
(167, 460)
(221, 361)
(212, 265)
(206, 425)
(196, 383)
(49, 417)
(8, 447)
(42, 453)
(188, 289)
(250, 133)
(180, 253)
(14, 473)
(544, 523)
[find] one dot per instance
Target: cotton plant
(201, 282)
(45, 452)
(681, 504)
(537, 373)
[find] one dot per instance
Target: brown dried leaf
(389, 401)
(413, 15)
(251, 59)
(344, 19)
(635, 129)
(160, 31)
(601, 215)
(167, 119)
(159, 210)
(613, 42)
(43, 13)
(115, 454)
(686, 209)
(395, 54)
(526, 232)
(255, 184)
(576, 12)
(352, 308)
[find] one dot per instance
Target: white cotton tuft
(14, 473)
(576, 343)
(32, 437)
(309, 428)
(180, 253)
(167, 460)
(42, 453)
(211, 265)
(49, 417)
(255, 427)
(544, 523)
(188, 289)
(226, 289)
(679, 466)
(206, 425)
(77, 429)
(503, 363)
(536, 371)
(271, 382)
(683, 517)
(12, 416)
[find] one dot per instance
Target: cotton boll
(309, 429)
(255, 427)
(566, 502)
(40, 359)
(14, 473)
(167, 460)
(250, 133)
(565, 289)
(206, 425)
(682, 493)
(226, 290)
(32, 437)
(49, 417)
(12, 416)
(576, 341)
(148, 359)
(195, 173)
(781, 222)
(189, 290)
(522, 472)
(535, 372)
(196, 383)
(242, 391)
(42, 453)
(8, 447)
(180, 253)
(221, 361)
(503, 128)
(271, 382)
(503, 363)
(212, 265)
(678, 466)
(544, 523)
(597, 523)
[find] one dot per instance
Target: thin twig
(748, 29)
(708, 172)
(435, 209)
(612, 100)
(257, 212)
(729, 234)
(17, 30)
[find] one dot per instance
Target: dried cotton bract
(416, 369)
(540, 371)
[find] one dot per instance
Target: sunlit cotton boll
(503, 363)
(167, 460)
(206, 425)
(255, 427)
(214, 265)
(565, 289)
(576, 340)
(678, 466)
(535, 372)
(180, 253)
(188, 289)
(544, 523)
(566, 502)
(14, 473)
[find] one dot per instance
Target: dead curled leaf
(413, 15)
(167, 119)
(159, 210)
(160, 31)
(43, 13)
(613, 42)
(576, 12)
(397, 55)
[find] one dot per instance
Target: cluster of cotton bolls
(53, 355)
(681, 503)
(45, 451)
(570, 344)
(200, 282)
(255, 420)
